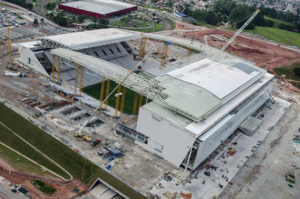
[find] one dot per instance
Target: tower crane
(241, 29)
(9, 42)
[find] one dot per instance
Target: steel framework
(138, 83)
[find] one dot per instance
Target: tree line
(22, 3)
(224, 11)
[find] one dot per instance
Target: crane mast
(241, 29)
(9, 42)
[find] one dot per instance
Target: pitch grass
(20, 163)
(94, 91)
(288, 71)
(79, 167)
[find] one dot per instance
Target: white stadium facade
(195, 106)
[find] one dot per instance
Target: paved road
(6, 193)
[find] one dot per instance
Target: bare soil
(62, 191)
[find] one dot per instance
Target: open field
(277, 22)
(20, 163)
(157, 27)
(79, 167)
(94, 91)
(278, 35)
(275, 33)
(288, 71)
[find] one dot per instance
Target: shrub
(297, 71)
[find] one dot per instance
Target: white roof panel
(217, 78)
(99, 6)
(198, 128)
(93, 38)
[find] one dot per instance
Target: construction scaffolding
(135, 82)
(150, 88)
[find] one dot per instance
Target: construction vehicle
(113, 151)
(95, 142)
(77, 135)
(231, 151)
(86, 138)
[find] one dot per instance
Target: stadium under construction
(193, 104)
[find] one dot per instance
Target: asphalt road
(6, 193)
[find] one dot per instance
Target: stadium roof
(99, 6)
(217, 78)
(88, 39)
(206, 90)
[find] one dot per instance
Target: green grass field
(274, 33)
(20, 163)
(16, 143)
(126, 23)
(288, 71)
(94, 91)
(121, 23)
(278, 35)
(277, 22)
(78, 166)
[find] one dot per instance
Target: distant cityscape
(290, 6)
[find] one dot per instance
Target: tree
(81, 18)
(240, 14)
(60, 19)
(297, 71)
(224, 7)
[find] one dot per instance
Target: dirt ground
(62, 191)
(264, 54)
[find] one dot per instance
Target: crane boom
(241, 29)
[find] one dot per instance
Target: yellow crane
(9, 43)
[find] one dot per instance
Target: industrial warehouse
(195, 103)
(98, 8)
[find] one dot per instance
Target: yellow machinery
(135, 103)
(142, 47)
(86, 138)
(164, 54)
(102, 90)
(81, 79)
(53, 68)
(77, 135)
(107, 92)
(76, 79)
(140, 102)
(9, 43)
(58, 68)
